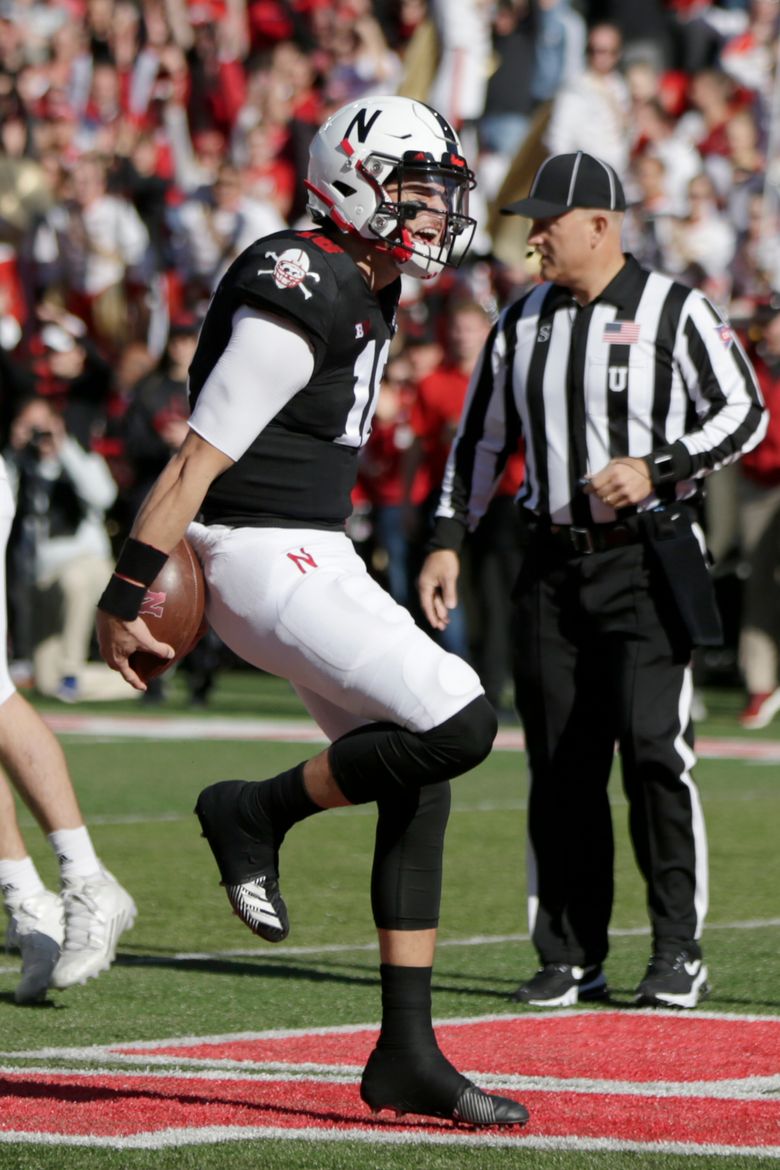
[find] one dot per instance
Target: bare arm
(171, 505)
(177, 495)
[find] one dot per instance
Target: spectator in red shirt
(711, 94)
(269, 177)
(435, 416)
(440, 397)
(423, 348)
(759, 527)
(382, 481)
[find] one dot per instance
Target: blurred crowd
(145, 143)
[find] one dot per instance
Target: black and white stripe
(548, 375)
(261, 907)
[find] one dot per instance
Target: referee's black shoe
(246, 850)
(675, 979)
(562, 985)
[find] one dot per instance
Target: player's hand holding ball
(173, 610)
(170, 621)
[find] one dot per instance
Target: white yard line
(202, 1069)
(304, 731)
(209, 1135)
(479, 940)
(324, 949)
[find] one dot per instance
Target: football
(174, 611)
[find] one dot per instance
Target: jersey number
(368, 374)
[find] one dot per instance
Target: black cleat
(247, 859)
(260, 906)
(475, 1107)
(426, 1084)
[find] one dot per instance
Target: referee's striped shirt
(650, 368)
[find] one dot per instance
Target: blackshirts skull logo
(290, 270)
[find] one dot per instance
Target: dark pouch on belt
(673, 542)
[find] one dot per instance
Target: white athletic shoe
(97, 911)
(37, 929)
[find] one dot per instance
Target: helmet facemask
(422, 215)
(390, 171)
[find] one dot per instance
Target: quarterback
(283, 387)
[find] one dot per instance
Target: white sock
(19, 880)
(75, 853)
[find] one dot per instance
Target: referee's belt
(592, 539)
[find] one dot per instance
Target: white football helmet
(360, 147)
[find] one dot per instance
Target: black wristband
(669, 464)
(122, 599)
(139, 561)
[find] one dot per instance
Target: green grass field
(189, 968)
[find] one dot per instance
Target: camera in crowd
(37, 438)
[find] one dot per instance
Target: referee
(628, 389)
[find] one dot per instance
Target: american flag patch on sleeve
(725, 333)
(621, 332)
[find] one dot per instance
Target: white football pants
(301, 604)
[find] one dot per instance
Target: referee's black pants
(602, 658)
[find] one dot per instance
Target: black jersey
(300, 470)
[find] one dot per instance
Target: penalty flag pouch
(670, 536)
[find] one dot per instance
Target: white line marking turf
(478, 940)
(306, 731)
(164, 1067)
(442, 944)
(165, 1139)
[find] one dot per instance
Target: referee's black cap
(564, 181)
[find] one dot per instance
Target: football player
(68, 937)
(283, 388)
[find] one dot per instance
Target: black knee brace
(381, 757)
(406, 877)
